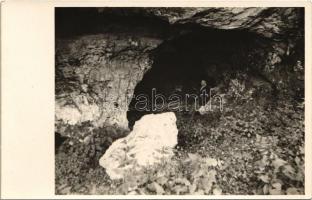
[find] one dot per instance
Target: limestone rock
(269, 22)
(265, 21)
(96, 77)
(150, 142)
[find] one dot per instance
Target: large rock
(150, 142)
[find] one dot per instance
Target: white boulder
(151, 141)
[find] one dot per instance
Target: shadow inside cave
(181, 63)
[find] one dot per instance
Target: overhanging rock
(268, 22)
(271, 22)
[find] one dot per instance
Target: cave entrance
(180, 64)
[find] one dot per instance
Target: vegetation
(254, 146)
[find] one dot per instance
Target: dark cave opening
(181, 63)
(189, 53)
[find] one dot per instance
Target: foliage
(77, 161)
(255, 146)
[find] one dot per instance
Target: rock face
(150, 142)
(268, 22)
(96, 76)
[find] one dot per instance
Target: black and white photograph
(142, 99)
(179, 101)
